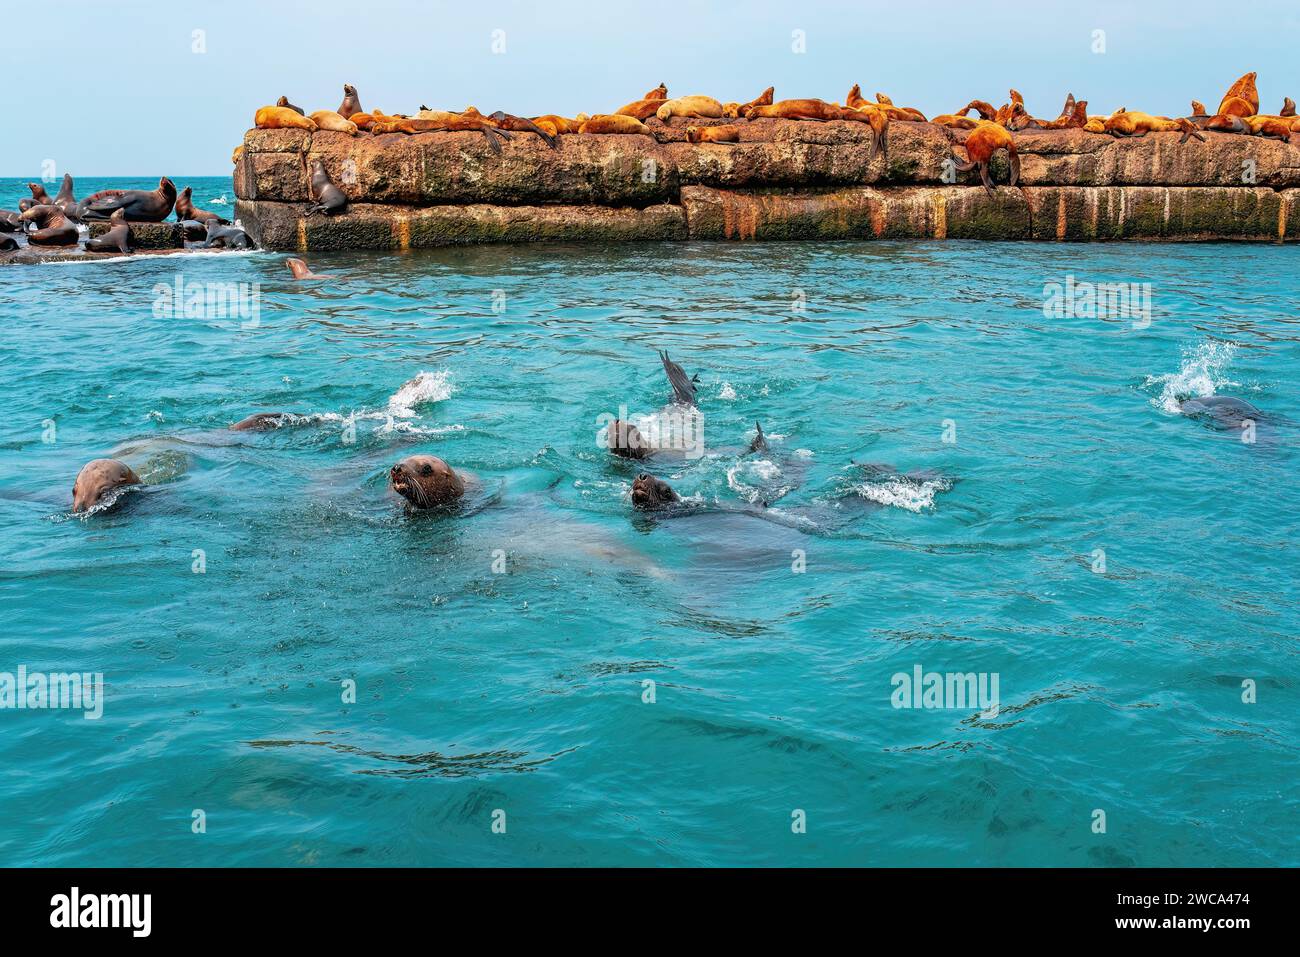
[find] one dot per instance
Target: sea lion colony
(990, 129)
(54, 222)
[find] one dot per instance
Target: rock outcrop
(784, 180)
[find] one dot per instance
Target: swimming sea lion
(759, 443)
(259, 422)
(702, 106)
(713, 134)
(284, 101)
(231, 237)
(329, 120)
(426, 481)
(117, 239)
(38, 198)
(650, 493)
(1221, 411)
(300, 270)
(985, 140)
(625, 440)
(96, 479)
(281, 118)
(614, 123)
(140, 205)
(186, 210)
(1140, 124)
(351, 102)
(53, 227)
(329, 198)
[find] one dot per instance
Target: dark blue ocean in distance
(624, 689)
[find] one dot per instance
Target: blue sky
(122, 92)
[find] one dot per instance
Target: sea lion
(260, 422)
(1278, 127)
(557, 125)
(518, 124)
(117, 239)
(329, 198)
(140, 205)
(186, 210)
(96, 479)
(10, 221)
(329, 120)
(284, 101)
(625, 440)
(426, 481)
(237, 154)
(66, 201)
(956, 121)
(300, 270)
(614, 123)
(1288, 107)
(814, 109)
(53, 227)
(1221, 411)
(231, 237)
(683, 385)
(734, 110)
(639, 109)
(701, 106)
(713, 134)
(650, 494)
(8, 244)
(38, 198)
(281, 118)
(985, 140)
(1242, 99)
(382, 124)
(351, 102)
(855, 101)
(1073, 116)
(759, 442)
(984, 109)
(658, 93)
(1137, 123)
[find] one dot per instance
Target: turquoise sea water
(520, 688)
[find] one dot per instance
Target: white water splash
(901, 492)
(425, 387)
(1202, 372)
(220, 201)
(726, 392)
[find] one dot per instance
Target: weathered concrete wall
(783, 180)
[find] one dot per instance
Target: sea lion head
(96, 479)
(167, 187)
(623, 439)
(426, 481)
(298, 267)
(650, 493)
(692, 134)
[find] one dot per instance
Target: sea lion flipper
(683, 387)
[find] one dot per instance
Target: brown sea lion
(1073, 116)
(237, 154)
(96, 479)
(614, 123)
(1242, 99)
(301, 270)
(985, 110)
(557, 125)
(697, 106)
(1276, 127)
(625, 440)
(854, 100)
(518, 124)
(66, 201)
(116, 240)
(1140, 124)
(53, 227)
(185, 209)
(8, 244)
(351, 102)
(284, 101)
(1288, 107)
(140, 205)
(956, 121)
(259, 422)
(329, 120)
(426, 481)
(456, 123)
(330, 200)
(281, 118)
(813, 109)
(38, 198)
(735, 110)
(713, 134)
(985, 140)
(9, 221)
(650, 493)
(658, 93)
(639, 109)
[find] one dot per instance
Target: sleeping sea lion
(300, 270)
(281, 118)
(351, 102)
(116, 240)
(335, 122)
(140, 205)
(96, 479)
(53, 227)
(185, 209)
(735, 110)
(9, 221)
(713, 134)
(614, 123)
(985, 140)
(426, 481)
(640, 109)
(284, 101)
(814, 109)
(329, 198)
(557, 125)
(1140, 124)
(231, 237)
(701, 106)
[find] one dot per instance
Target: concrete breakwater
(785, 179)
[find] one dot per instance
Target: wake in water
(1201, 374)
(402, 406)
